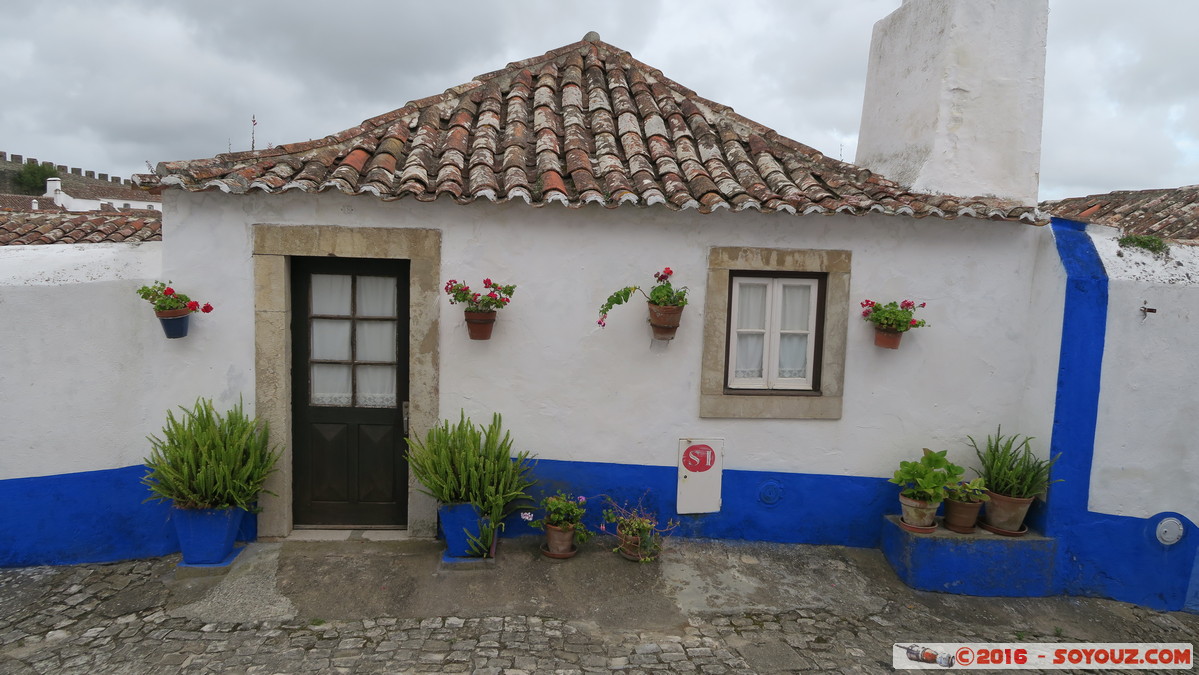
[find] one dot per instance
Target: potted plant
(171, 307)
(891, 320)
(471, 471)
(924, 484)
(666, 304)
(638, 531)
(212, 467)
(563, 524)
(1014, 477)
(480, 307)
(962, 503)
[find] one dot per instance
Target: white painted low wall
(1145, 442)
(83, 357)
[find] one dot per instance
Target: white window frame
(770, 380)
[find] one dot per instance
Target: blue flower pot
(206, 536)
(459, 522)
(174, 322)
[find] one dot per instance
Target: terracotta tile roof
(583, 124)
(45, 227)
(113, 192)
(1170, 214)
(25, 203)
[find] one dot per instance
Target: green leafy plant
(974, 491)
(564, 511)
(1010, 468)
(1149, 242)
(926, 480)
(164, 298)
(31, 178)
(639, 522)
(495, 296)
(206, 460)
(893, 316)
(467, 464)
(663, 294)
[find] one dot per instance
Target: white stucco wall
(572, 391)
(954, 97)
(1145, 441)
(85, 372)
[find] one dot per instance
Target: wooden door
(349, 392)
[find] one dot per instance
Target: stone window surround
(272, 246)
(718, 402)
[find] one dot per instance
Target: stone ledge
(982, 563)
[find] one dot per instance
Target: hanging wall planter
(174, 322)
(172, 308)
(891, 320)
(481, 307)
(887, 339)
(479, 324)
(664, 320)
(665, 304)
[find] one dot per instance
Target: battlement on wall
(64, 170)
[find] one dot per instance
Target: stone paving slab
(711, 607)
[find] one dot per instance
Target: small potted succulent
(481, 306)
(171, 307)
(665, 304)
(638, 531)
(1014, 477)
(962, 503)
(891, 320)
(563, 524)
(924, 484)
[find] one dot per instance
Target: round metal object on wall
(770, 493)
(1169, 531)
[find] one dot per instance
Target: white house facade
(572, 175)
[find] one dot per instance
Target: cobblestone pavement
(118, 618)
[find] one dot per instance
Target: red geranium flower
(193, 305)
(206, 308)
(168, 291)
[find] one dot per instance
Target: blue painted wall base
(971, 564)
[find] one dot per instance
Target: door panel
(349, 387)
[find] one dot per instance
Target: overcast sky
(110, 85)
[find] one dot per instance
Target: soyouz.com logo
(1042, 656)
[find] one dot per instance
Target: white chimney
(955, 92)
(53, 186)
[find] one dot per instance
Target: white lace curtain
(757, 313)
(343, 336)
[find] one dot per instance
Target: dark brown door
(349, 392)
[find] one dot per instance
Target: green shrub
(206, 460)
(31, 179)
(1009, 468)
(1149, 242)
(467, 464)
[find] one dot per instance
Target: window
(774, 336)
(775, 322)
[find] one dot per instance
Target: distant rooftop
(1171, 213)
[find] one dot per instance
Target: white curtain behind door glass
(331, 339)
(793, 347)
(331, 384)
(751, 325)
(331, 294)
(376, 386)
(376, 296)
(375, 340)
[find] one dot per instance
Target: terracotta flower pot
(1006, 513)
(917, 513)
(630, 547)
(479, 324)
(559, 542)
(664, 320)
(888, 339)
(961, 516)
